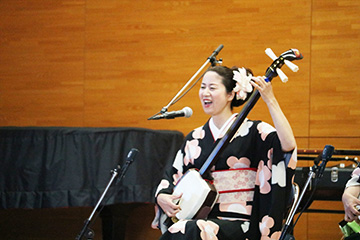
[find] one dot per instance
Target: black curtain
(44, 167)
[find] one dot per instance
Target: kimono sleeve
(167, 184)
(273, 188)
(171, 175)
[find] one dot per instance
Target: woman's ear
(231, 96)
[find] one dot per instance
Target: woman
(350, 197)
(252, 175)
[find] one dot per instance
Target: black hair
(227, 76)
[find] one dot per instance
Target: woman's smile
(213, 95)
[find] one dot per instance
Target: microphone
(325, 157)
(212, 58)
(131, 155)
(185, 112)
(216, 52)
(129, 159)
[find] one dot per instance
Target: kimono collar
(219, 133)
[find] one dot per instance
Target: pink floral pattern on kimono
(177, 177)
(238, 207)
(270, 156)
(245, 227)
(264, 129)
(244, 129)
(208, 229)
(192, 151)
(163, 184)
(354, 180)
(262, 178)
(178, 227)
(293, 160)
(356, 172)
(278, 171)
(198, 133)
(279, 174)
(178, 165)
(155, 222)
(234, 162)
(265, 225)
(269, 165)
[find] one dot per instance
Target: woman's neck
(220, 120)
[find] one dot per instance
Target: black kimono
(253, 176)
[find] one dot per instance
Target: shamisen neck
(225, 134)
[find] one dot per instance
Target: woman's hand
(166, 202)
(264, 88)
(350, 202)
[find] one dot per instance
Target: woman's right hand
(166, 202)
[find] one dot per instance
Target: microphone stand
(86, 231)
(211, 59)
(316, 171)
(294, 208)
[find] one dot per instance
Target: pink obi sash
(235, 185)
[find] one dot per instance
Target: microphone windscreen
(187, 112)
(327, 152)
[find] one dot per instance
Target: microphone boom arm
(164, 109)
(211, 59)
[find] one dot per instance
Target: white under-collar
(216, 132)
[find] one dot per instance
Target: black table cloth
(43, 167)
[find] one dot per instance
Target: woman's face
(213, 96)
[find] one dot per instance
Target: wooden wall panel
(315, 226)
(119, 62)
(138, 57)
(41, 63)
(335, 62)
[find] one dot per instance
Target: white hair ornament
(243, 86)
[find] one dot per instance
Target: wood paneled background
(109, 63)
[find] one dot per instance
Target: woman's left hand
(264, 88)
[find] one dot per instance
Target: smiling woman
(242, 174)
